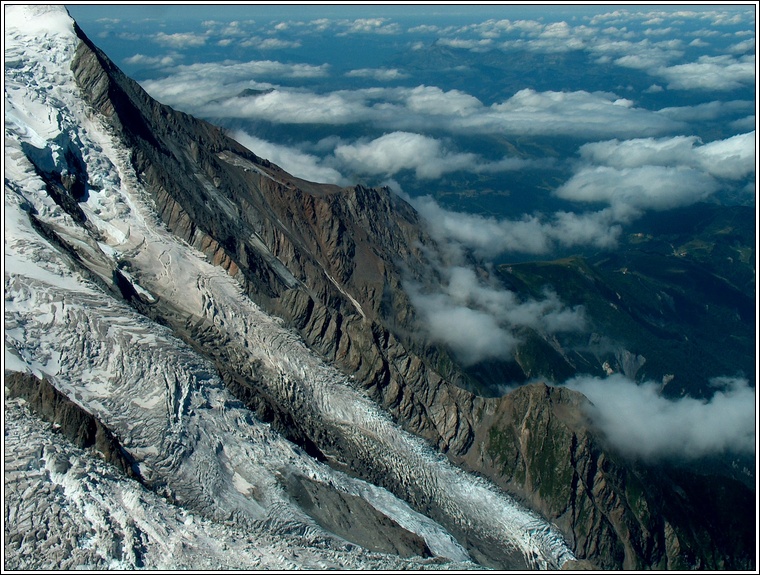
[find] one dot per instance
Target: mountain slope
(174, 285)
(77, 276)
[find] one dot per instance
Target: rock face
(327, 260)
(330, 262)
(351, 518)
(618, 513)
(80, 427)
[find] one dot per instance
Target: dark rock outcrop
(536, 443)
(80, 427)
(353, 519)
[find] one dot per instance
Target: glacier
(219, 496)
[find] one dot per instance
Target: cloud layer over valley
(642, 423)
(477, 319)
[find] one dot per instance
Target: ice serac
(131, 201)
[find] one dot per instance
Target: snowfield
(223, 504)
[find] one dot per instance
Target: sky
(517, 131)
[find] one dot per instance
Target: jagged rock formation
(80, 427)
(327, 260)
(537, 442)
(330, 263)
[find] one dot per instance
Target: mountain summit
(231, 373)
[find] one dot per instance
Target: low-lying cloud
(644, 187)
(380, 74)
(213, 91)
(151, 61)
(642, 423)
(627, 177)
(300, 164)
(626, 44)
(659, 174)
(180, 40)
(477, 319)
(489, 237)
(383, 158)
(732, 158)
(719, 73)
(428, 157)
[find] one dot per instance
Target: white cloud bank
(382, 157)
(295, 162)
(642, 187)
(641, 423)
(211, 91)
(477, 319)
(428, 157)
(629, 176)
(732, 158)
(488, 237)
(380, 74)
(720, 73)
(659, 174)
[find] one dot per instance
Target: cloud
(698, 43)
(297, 163)
(380, 74)
(477, 319)
(270, 43)
(474, 45)
(658, 31)
(151, 61)
(291, 107)
(611, 38)
(732, 158)
(643, 187)
(398, 151)
(745, 123)
(431, 100)
(629, 176)
(577, 114)
(369, 26)
(228, 29)
(747, 45)
(180, 40)
(193, 87)
(642, 55)
(719, 73)
(659, 174)
(488, 237)
(642, 423)
(428, 157)
(706, 111)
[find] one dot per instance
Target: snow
(165, 403)
(38, 20)
(101, 520)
